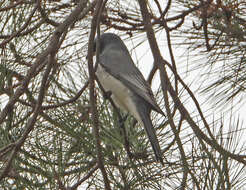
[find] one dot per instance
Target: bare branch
(21, 29)
(11, 6)
(32, 120)
(40, 61)
(45, 16)
(96, 17)
(166, 86)
(90, 173)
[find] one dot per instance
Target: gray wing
(120, 65)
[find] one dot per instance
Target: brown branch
(166, 9)
(26, 32)
(90, 7)
(205, 26)
(109, 19)
(46, 107)
(11, 72)
(17, 56)
(31, 122)
(94, 24)
(139, 26)
(40, 61)
(152, 73)
(21, 29)
(73, 99)
(122, 28)
(89, 174)
(60, 184)
(166, 86)
(179, 24)
(11, 6)
(185, 13)
(171, 54)
(123, 15)
(153, 44)
(158, 6)
(6, 149)
(60, 7)
(212, 142)
(31, 29)
(45, 16)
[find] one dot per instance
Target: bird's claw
(107, 94)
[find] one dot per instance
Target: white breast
(121, 95)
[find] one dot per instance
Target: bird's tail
(148, 126)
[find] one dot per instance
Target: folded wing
(121, 66)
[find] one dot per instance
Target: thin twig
(26, 32)
(13, 5)
(45, 16)
(94, 24)
(73, 99)
(89, 174)
(166, 85)
(40, 61)
(166, 9)
(21, 29)
(31, 122)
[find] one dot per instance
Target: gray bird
(130, 91)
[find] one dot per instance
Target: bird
(129, 90)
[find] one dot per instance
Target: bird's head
(109, 40)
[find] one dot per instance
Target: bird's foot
(107, 94)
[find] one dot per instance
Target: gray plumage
(130, 91)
